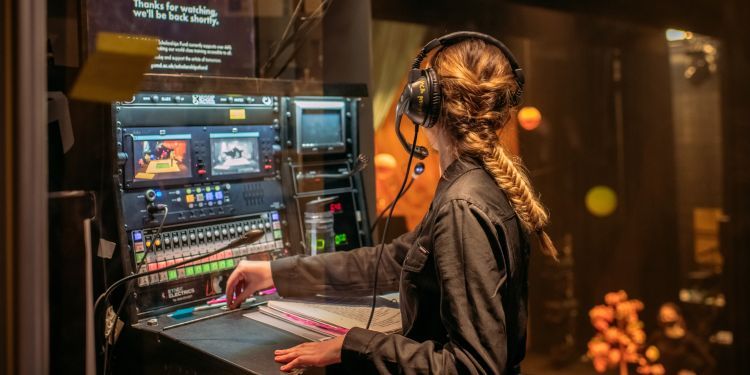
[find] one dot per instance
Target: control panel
(197, 171)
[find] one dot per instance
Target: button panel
(174, 246)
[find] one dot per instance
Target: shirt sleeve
(346, 273)
(470, 276)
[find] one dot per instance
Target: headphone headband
(460, 36)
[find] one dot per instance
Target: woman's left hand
(310, 354)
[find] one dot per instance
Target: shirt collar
(455, 170)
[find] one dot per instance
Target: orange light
(529, 118)
(385, 165)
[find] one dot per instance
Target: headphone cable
(388, 222)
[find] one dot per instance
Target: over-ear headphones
(422, 98)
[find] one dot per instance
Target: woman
(462, 273)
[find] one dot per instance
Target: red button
(152, 266)
(201, 172)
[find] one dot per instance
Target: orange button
(190, 198)
(157, 242)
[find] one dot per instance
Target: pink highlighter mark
(326, 327)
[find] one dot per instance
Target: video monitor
(212, 37)
(161, 157)
(320, 125)
(234, 153)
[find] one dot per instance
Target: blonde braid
(477, 84)
(509, 176)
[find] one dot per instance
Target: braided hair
(477, 85)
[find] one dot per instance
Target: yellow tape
(237, 114)
(114, 71)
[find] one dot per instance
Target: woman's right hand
(249, 277)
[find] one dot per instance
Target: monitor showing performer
(161, 157)
(234, 153)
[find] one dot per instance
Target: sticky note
(115, 68)
(237, 114)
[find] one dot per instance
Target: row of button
(219, 262)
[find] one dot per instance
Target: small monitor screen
(234, 153)
(321, 127)
(161, 157)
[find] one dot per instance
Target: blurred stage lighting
(601, 201)
(675, 35)
(529, 118)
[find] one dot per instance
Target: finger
(294, 348)
(297, 363)
(231, 284)
(246, 292)
(284, 358)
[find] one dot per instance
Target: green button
(189, 271)
(198, 190)
(188, 191)
(222, 264)
(214, 266)
(139, 257)
(206, 267)
(217, 188)
(277, 234)
(230, 263)
(172, 274)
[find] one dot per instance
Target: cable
(418, 170)
(127, 291)
(388, 221)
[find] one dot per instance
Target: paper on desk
(345, 313)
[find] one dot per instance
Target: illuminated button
(217, 188)
(137, 236)
(198, 190)
(200, 204)
(210, 203)
(224, 232)
(219, 195)
(216, 233)
(246, 228)
(209, 196)
(214, 266)
(138, 247)
(199, 197)
(190, 205)
(175, 240)
(268, 225)
(148, 243)
(184, 238)
(166, 240)
(227, 186)
(190, 198)
(157, 242)
(222, 264)
(231, 230)
(277, 234)
(192, 236)
(189, 271)
(188, 191)
(255, 227)
(200, 235)
(209, 234)
(206, 267)
(275, 216)
(230, 263)
(172, 274)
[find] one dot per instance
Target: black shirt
(462, 276)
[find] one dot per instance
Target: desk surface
(241, 342)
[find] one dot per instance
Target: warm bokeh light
(601, 201)
(675, 35)
(385, 165)
(529, 118)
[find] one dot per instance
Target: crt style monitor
(320, 126)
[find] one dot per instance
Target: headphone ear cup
(435, 96)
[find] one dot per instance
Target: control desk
(196, 171)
